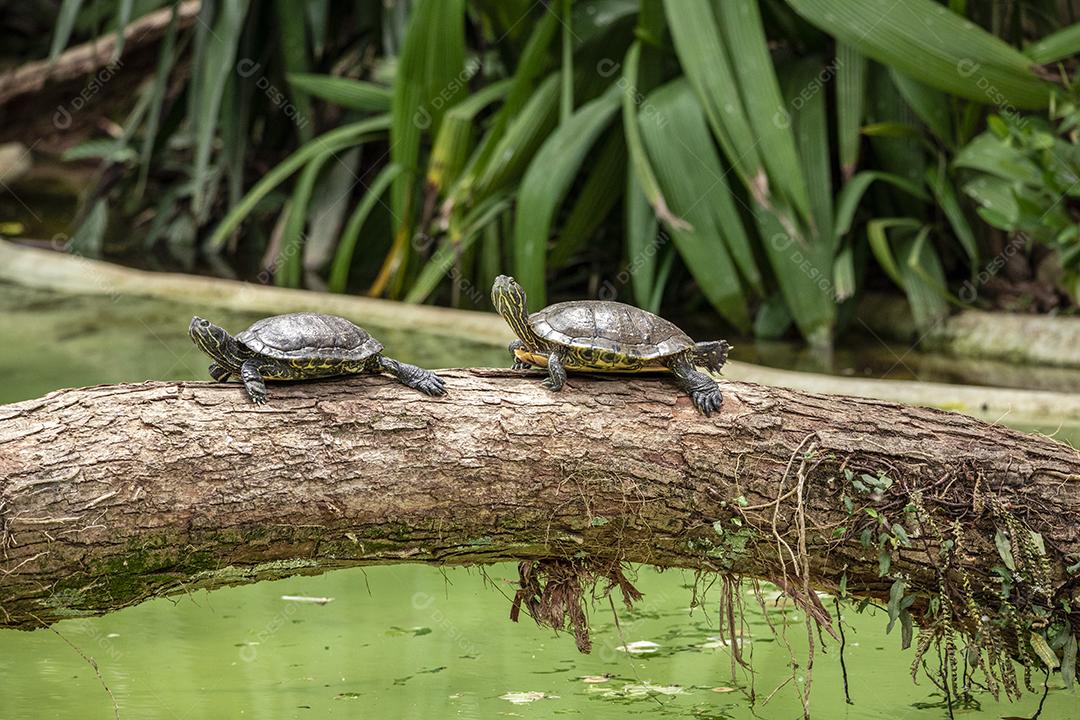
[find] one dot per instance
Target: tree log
(114, 494)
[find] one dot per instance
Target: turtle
(607, 336)
(301, 346)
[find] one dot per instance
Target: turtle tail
(711, 355)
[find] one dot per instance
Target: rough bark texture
(110, 495)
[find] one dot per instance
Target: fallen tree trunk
(113, 494)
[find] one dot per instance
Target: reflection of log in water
(114, 494)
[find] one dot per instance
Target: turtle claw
(707, 401)
(431, 385)
(258, 398)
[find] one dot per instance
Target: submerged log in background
(111, 495)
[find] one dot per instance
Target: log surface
(111, 495)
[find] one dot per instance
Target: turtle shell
(309, 336)
(611, 326)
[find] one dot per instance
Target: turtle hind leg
(219, 373)
(253, 381)
(703, 390)
(417, 378)
(711, 355)
(556, 373)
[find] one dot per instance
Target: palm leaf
(933, 45)
(641, 241)
(65, 23)
(744, 36)
(696, 37)
(677, 139)
(214, 70)
(850, 105)
(344, 136)
(931, 105)
(639, 159)
(600, 192)
(847, 202)
(545, 184)
(454, 142)
(287, 267)
(1056, 46)
(431, 66)
(344, 92)
(460, 241)
(343, 257)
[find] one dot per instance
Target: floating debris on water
(306, 599)
(519, 698)
(639, 647)
(595, 679)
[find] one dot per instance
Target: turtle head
(509, 300)
(215, 342)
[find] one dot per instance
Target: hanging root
(553, 593)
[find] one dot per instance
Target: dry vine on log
(111, 495)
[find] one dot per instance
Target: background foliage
(773, 159)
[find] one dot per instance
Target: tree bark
(114, 494)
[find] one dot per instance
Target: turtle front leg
(253, 381)
(218, 372)
(703, 390)
(513, 347)
(417, 378)
(556, 372)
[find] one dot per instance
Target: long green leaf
(1056, 46)
(639, 159)
(166, 58)
(514, 149)
(847, 202)
(293, 44)
(683, 155)
(287, 267)
(450, 152)
(432, 65)
(602, 189)
(327, 208)
(123, 17)
(352, 134)
(343, 258)
(810, 126)
(924, 280)
(744, 35)
(641, 246)
(214, 72)
(850, 105)
(534, 60)
(931, 105)
(804, 275)
(546, 183)
(65, 23)
(933, 45)
(696, 37)
(481, 217)
(344, 92)
(896, 136)
(939, 182)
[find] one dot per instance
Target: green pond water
(403, 641)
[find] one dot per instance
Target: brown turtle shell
(611, 326)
